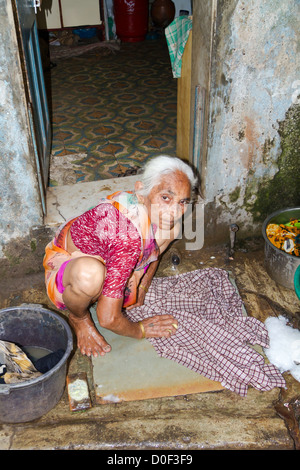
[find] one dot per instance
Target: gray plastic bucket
(33, 325)
(280, 266)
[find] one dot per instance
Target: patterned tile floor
(112, 112)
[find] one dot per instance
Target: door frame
(35, 91)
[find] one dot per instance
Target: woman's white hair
(164, 165)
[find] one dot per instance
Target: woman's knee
(85, 274)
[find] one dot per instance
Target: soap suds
(284, 350)
(112, 398)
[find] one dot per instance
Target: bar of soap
(78, 392)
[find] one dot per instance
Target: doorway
(112, 109)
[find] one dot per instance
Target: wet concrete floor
(215, 420)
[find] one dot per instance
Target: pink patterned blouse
(106, 232)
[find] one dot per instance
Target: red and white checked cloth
(213, 335)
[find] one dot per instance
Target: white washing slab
(134, 371)
(65, 202)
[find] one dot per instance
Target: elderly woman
(110, 253)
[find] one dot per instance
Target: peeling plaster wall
(20, 207)
(254, 90)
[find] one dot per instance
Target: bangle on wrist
(143, 329)
(145, 288)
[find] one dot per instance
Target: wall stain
(234, 195)
(268, 145)
(283, 190)
(251, 143)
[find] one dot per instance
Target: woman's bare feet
(89, 340)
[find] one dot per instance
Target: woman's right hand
(160, 326)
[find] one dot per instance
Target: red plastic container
(131, 19)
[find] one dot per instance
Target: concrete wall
(252, 162)
(20, 206)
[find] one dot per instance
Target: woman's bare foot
(89, 340)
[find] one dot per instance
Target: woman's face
(168, 201)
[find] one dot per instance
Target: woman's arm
(149, 274)
(110, 316)
(145, 284)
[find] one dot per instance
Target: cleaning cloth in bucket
(15, 365)
(177, 34)
(49, 361)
